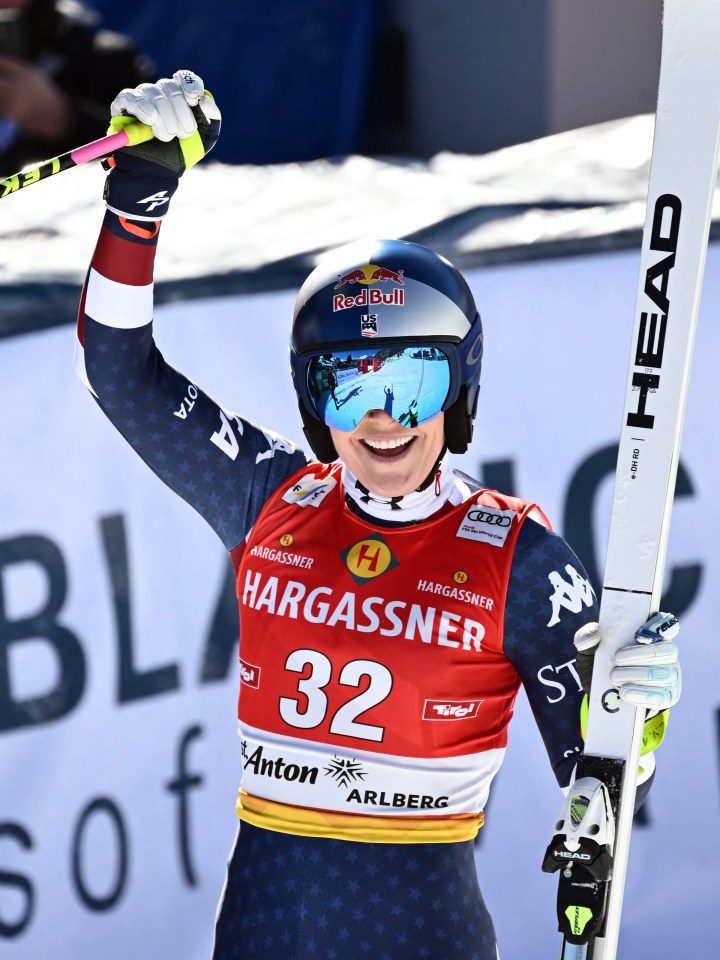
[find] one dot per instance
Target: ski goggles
(411, 383)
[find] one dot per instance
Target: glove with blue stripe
(647, 673)
(185, 123)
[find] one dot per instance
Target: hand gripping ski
(675, 236)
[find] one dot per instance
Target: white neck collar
(417, 505)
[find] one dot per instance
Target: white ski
(680, 193)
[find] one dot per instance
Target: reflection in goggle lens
(410, 383)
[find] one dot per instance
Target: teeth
(387, 444)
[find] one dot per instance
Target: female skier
(390, 607)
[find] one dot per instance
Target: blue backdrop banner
(290, 78)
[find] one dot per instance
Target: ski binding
(582, 849)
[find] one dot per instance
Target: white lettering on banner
(345, 374)
(309, 490)
(486, 525)
(570, 594)
(392, 618)
(456, 593)
(282, 556)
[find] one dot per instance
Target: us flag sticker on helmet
(369, 558)
(369, 324)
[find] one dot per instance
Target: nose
(381, 421)
(379, 417)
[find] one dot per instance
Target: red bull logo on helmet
(367, 276)
(370, 273)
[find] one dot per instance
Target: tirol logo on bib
(486, 524)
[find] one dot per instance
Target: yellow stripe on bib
(305, 822)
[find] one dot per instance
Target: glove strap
(139, 189)
(193, 149)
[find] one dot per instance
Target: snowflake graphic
(344, 772)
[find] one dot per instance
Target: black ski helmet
(409, 295)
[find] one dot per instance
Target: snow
(229, 218)
(236, 229)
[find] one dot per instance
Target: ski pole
(131, 133)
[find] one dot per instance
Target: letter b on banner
(42, 626)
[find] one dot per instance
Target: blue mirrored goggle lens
(409, 383)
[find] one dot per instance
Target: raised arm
(222, 465)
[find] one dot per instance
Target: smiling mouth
(387, 448)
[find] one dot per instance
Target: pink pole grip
(100, 148)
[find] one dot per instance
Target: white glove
(185, 122)
(647, 673)
(165, 105)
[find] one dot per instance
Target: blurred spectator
(58, 73)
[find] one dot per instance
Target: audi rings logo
(610, 700)
(482, 516)
(486, 524)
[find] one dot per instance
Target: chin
(390, 484)
(388, 490)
